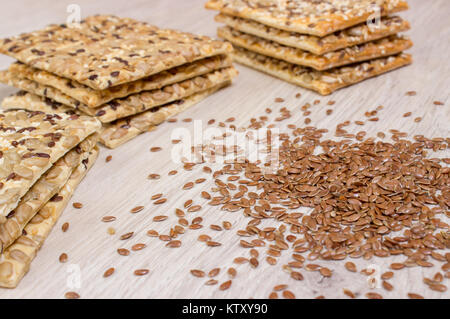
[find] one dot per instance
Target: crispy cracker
(30, 143)
(318, 18)
(16, 259)
(49, 92)
(367, 51)
(105, 51)
(44, 189)
(23, 100)
(323, 82)
(361, 33)
(132, 104)
(123, 130)
(95, 98)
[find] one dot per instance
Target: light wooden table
(116, 187)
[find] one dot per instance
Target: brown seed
(296, 275)
(107, 219)
(187, 120)
(173, 172)
(412, 295)
(154, 176)
(232, 272)
(156, 196)
(350, 266)
(108, 158)
(63, 258)
(160, 218)
(206, 195)
(126, 236)
(155, 149)
(141, 272)
(407, 114)
(225, 285)
(211, 282)
(123, 251)
(204, 238)
(77, 205)
(160, 201)
(387, 275)
(65, 227)
(325, 272)
(438, 103)
(108, 272)
(198, 273)
(279, 100)
(214, 272)
(273, 295)
(152, 233)
(173, 244)
(240, 260)
(280, 287)
(349, 293)
(137, 209)
(213, 243)
(417, 119)
(254, 262)
(387, 286)
(411, 93)
(288, 294)
(373, 295)
(438, 287)
(397, 266)
(71, 295)
(137, 247)
(188, 186)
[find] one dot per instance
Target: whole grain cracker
(342, 39)
(106, 50)
(16, 259)
(318, 18)
(367, 51)
(323, 82)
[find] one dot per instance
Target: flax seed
(287, 294)
(108, 158)
(123, 251)
(160, 201)
(108, 272)
(349, 293)
(77, 205)
(71, 295)
(126, 236)
(141, 272)
(155, 149)
(137, 247)
(373, 295)
(65, 227)
(108, 219)
(137, 209)
(63, 258)
(225, 285)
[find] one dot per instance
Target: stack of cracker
(43, 158)
(322, 45)
(128, 74)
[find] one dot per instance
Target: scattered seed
(65, 227)
(108, 219)
(71, 295)
(137, 209)
(63, 258)
(155, 149)
(141, 272)
(126, 236)
(225, 285)
(108, 272)
(288, 294)
(108, 158)
(77, 205)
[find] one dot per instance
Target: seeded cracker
(23, 100)
(379, 48)
(123, 130)
(319, 18)
(50, 137)
(323, 82)
(16, 259)
(94, 98)
(361, 33)
(132, 104)
(43, 190)
(107, 51)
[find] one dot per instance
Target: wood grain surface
(116, 187)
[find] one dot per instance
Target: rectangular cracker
(30, 143)
(367, 51)
(133, 104)
(105, 51)
(23, 100)
(323, 82)
(95, 98)
(16, 259)
(318, 18)
(50, 93)
(361, 33)
(43, 190)
(123, 130)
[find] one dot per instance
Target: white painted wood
(116, 187)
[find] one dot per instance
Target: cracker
(30, 143)
(43, 190)
(361, 33)
(23, 100)
(323, 82)
(106, 51)
(318, 18)
(367, 51)
(133, 104)
(51, 94)
(95, 98)
(16, 259)
(123, 130)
